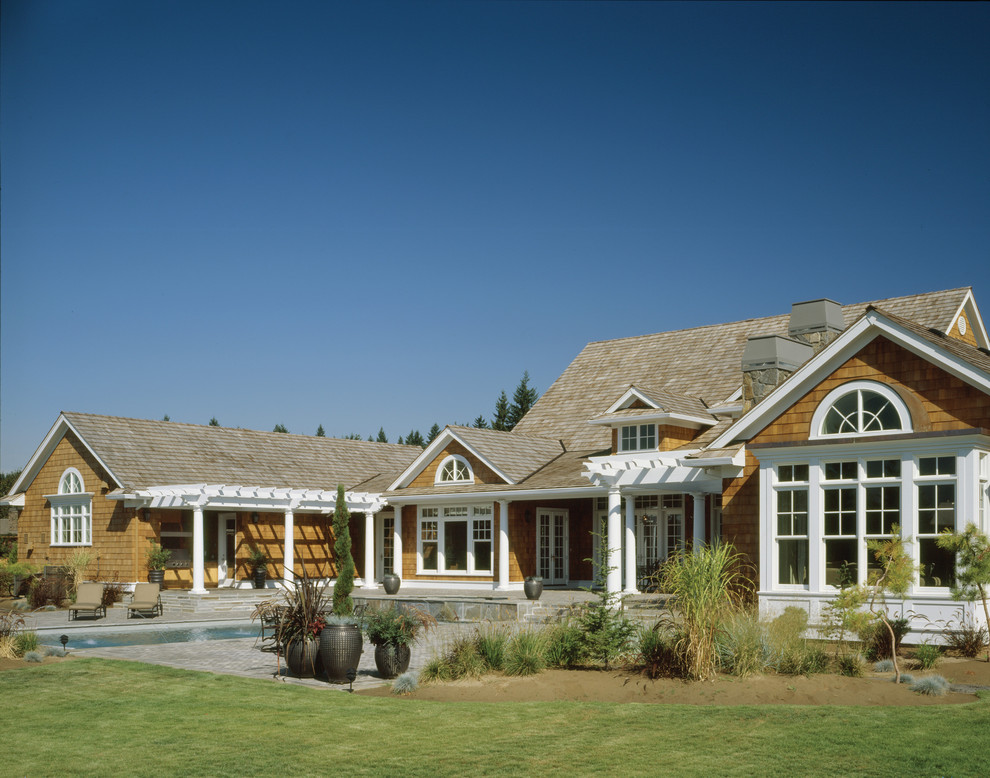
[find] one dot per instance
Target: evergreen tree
(414, 438)
(166, 418)
(434, 431)
(280, 428)
(6, 482)
(481, 422)
(353, 436)
(381, 435)
(343, 605)
(399, 440)
(500, 421)
(523, 399)
(320, 432)
(214, 422)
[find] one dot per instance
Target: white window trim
(81, 499)
(441, 520)
(463, 462)
(639, 438)
(884, 390)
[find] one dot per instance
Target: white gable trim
(45, 450)
(430, 453)
(968, 306)
(857, 336)
(632, 393)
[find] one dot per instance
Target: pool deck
(244, 657)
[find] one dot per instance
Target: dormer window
(860, 408)
(638, 437)
(454, 470)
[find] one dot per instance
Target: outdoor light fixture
(254, 517)
(351, 675)
(63, 640)
(146, 514)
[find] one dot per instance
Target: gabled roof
(140, 453)
(511, 456)
(968, 363)
(703, 362)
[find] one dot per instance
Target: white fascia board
(509, 496)
(44, 451)
(878, 448)
(676, 419)
(13, 501)
(632, 393)
(430, 453)
(838, 351)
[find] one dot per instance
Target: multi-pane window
(839, 524)
(936, 512)
(72, 512)
(454, 469)
(792, 525)
(861, 411)
(456, 539)
(883, 503)
(638, 437)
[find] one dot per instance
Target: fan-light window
(861, 408)
(454, 469)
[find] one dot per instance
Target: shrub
(54, 651)
(436, 669)
(744, 644)
(905, 678)
(524, 654)
(406, 683)
(49, 590)
(807, 659)
(564, 645)
(459, 660)
(113, 591)
(852, 665)
(658, 652)
(490, 642)
(876, 638)
(25, 642)
(343, 605)
(10, 623)
(968, 638)
(705, 583)
(926, 656)
(8, 647)
(33, 656)
(932, 685)
(883, 666)
(76, 566)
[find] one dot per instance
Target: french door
(551, 545)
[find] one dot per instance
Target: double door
(552, 559)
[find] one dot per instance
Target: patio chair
(89, 599)
(147, 599)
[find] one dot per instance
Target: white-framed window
(860, 408)
(936, 484)
(638, 437)
(984, 495)
(455, 469)
(72, 511)
(456, 539)
(791, 524)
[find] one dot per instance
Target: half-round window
(861, 408)
(71, 482)
(454, 469)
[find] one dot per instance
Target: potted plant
(258, 561)
(298, 623)
(391, 631)
(341, 644)
(391, 583)
(533, 586)
(157, 560)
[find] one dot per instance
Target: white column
(631, 546)
(289, 558)
(503, 544)
(397, 542)
(613, 560)
(199, 586)
(699, 521)
(369, 550)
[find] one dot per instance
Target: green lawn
(97, 717)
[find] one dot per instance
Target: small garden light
(63, 640)
(351, 675)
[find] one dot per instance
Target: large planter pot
(156, 576)
(302, 657)
(392, 660)
(340, 650)
(260, 576)
(391, 583)
(533, 587)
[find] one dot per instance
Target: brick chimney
(816, 322)
(767, 361)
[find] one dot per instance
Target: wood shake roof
(142, 453)
(703, 363)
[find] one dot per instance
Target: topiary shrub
(343, 605)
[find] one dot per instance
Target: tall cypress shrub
(343, 605)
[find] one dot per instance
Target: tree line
(505, 417)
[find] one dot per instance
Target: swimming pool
(148, 635)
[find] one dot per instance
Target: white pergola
(287, 501)
(629, 475)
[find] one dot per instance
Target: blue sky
(380, 213)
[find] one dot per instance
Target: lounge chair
(89, 599)
(147, 599)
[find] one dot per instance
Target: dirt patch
(623, 686)
(18, 664)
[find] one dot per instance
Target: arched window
(860, 408)
(454, 470)
(72, 512)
